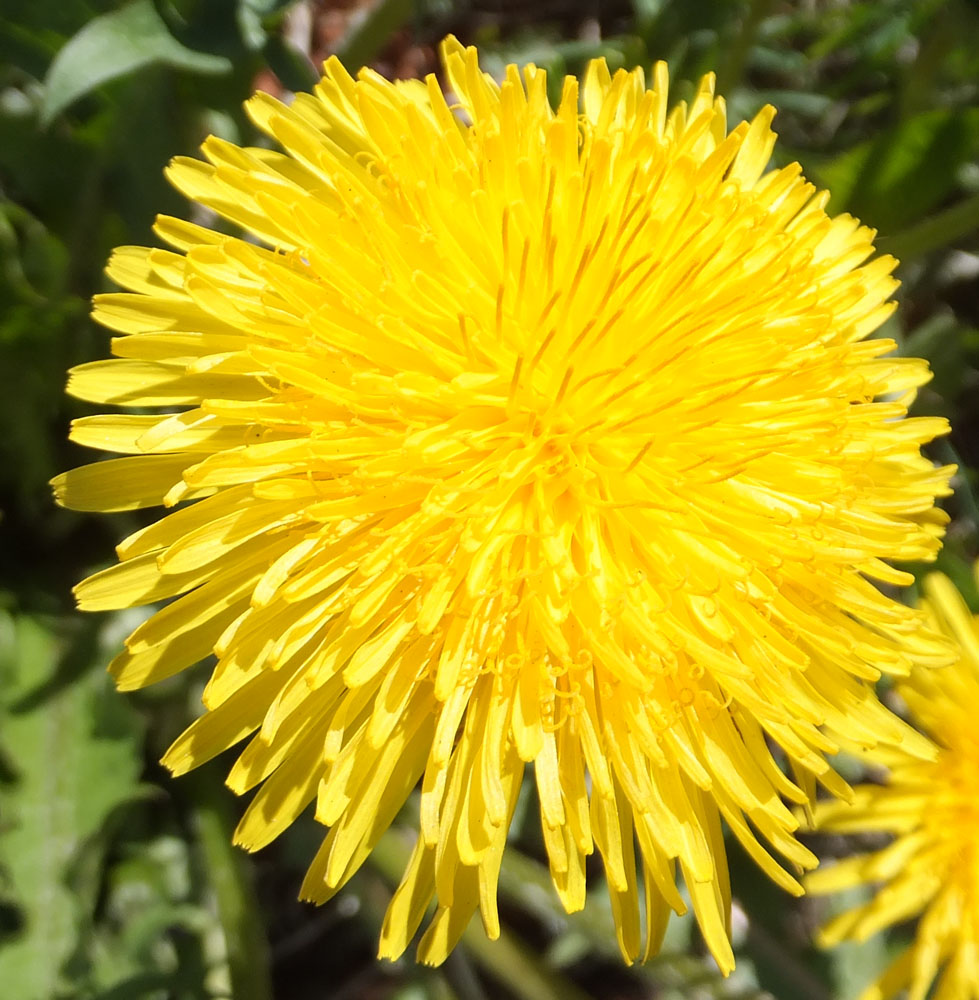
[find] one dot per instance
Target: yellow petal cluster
(931, 808)
(515, 434)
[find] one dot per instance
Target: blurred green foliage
(117, 884)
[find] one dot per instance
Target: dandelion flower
(515, 434)
(931, 808)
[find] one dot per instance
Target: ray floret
(930, 868)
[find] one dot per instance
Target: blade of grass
(939, 231)
(230, 878)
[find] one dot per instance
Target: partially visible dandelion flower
(527, 435)
(931, 807)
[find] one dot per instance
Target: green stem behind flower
(731, 71)
(230, 878)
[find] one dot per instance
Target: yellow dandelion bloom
(515, 434)
(931, 808)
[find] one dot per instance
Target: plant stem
(230, 878)
(368, 35)
(731, 71)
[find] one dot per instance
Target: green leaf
(259, 19)
(940, 230)
(854, 965)
(73, 748)
(896, 178)
(113, 45)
